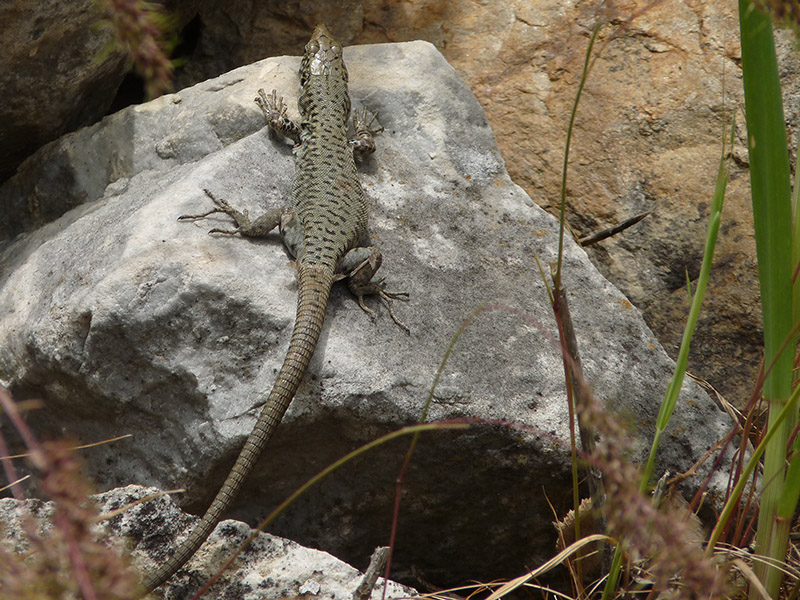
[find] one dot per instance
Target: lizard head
(323, 56)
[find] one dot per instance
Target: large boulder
(125, 320)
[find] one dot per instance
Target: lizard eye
(313, 47)
(336, 48)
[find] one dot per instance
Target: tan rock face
(647, 138)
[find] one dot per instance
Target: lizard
(325, 230)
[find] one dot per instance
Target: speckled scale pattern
(326, 193)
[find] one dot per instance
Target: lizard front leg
(364, 142)
(259, 227)
(274, 110)
(359, 265)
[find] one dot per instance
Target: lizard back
(326, 193)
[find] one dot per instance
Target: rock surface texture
(270, 567)
(59, 70)
(647, 136)
(125, 320)
(51, 77)
(665, 83)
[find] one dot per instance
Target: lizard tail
(314, 284)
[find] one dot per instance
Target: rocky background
(124, 319)
(664, 85)
(665, 82)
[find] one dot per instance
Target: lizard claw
(388, 301)
(221, 207)
(363, 143)
(272, 106)
(274, 109)
(387, 298)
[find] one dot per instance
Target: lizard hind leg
(359, 266)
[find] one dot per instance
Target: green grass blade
(769, 182)
(791, 492)
(747, 472)
(673, 391)
(562, 217)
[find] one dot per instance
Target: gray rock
(270, 567)
(51, 75)
(127, 321)
(59, 70)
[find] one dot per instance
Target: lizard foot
(364, 143)
(222, 207)
(244, 225)
(361, 284)
(273, 107)
(388, 299)
(274, 110)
